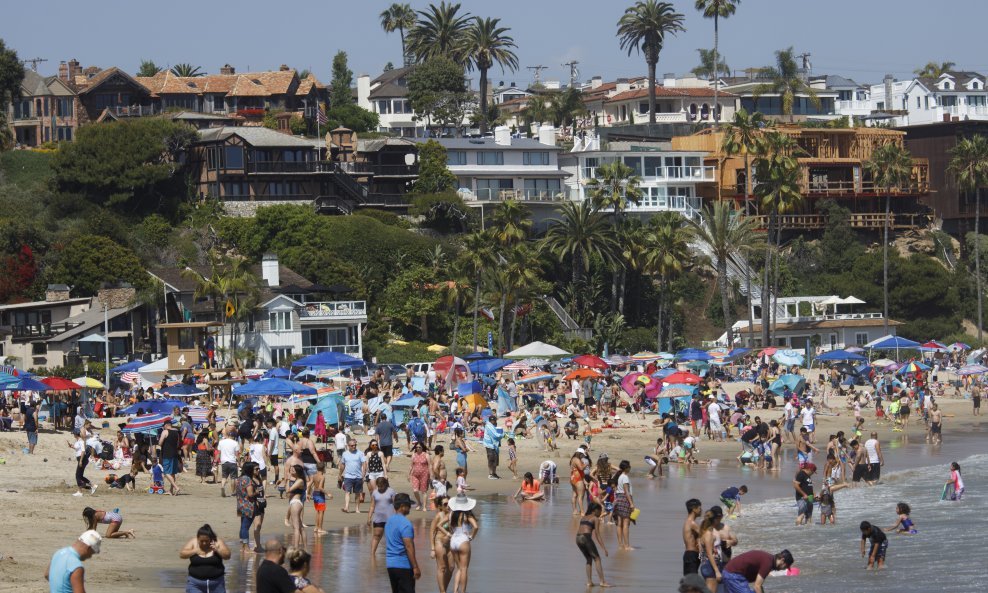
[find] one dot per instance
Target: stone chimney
(596, 82)
(63, 71)
(502, 136)
(228, 70)
(91, 71)
(284, 68)
(621, 85)
(74, 69)
(116, 297)
(56, 293)
(270, 272)
(547, 135)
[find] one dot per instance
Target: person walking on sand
(352, 475)
(492, 442)
(691, 537)
(29, 419)
(229, 450)
(588, 530)
(65, 573)
(399, 539)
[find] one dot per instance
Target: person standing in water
(588, 530)
(936, 425)
(691, 534)
(875, 459)
(803, 484)
(879, 545)
(956, 481)
(747, 572)
(624, 505)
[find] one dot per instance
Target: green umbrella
(697, 365)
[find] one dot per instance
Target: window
(643, 107)
(280, 320)
(490, 158)
(653, 167)
(236, 189)
(186, 339)
(456, 157)
(833, 341)
(535, 158)
(861, 338)
(64, 107)
(541, 187)
(280, 356)
(635, 162)
(976, 100)
(64, 132)
(39, 348)
(217, 102)
(233, 157)
(918, 105)
(490, 188)
(384, 106)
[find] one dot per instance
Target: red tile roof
(661, 91)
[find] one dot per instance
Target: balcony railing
(351, 349)
(526, 195)
(829, 317)
(679, 174)
(380, 170)
(333, 309)
(41, 330)
(133, 110)
(289, 167)
(869, 221)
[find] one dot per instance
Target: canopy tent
(25, 384)
(477, 356)
(181, 390)
(891, 342)
(152, 406)
(537, 349)
(277, 373)
(129, 367)
(332, 407)
(328, 359)
(154, 372)
(842, 355)
(795, 383)
(147, 424)
(591, 361)
(486, 366)
(273, 387)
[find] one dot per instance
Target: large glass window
(233, 157)
(535, 158)
(541, 187)
(635, 162)
(490, 157)
(491, 188)
(64, 108)
(653, 167)
(280, 356)
(280, 320)
(456, 157)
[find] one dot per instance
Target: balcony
(40, 330)
(132, 110)
(351, 349)
(261, 167)
(677, 174)
(523, 195)
(380, 170)
(863, 221)
(334, 310)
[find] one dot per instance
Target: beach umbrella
(666, 356)
(486, 366)
(148, 423)
(912, 367)
(645, 356)
(854, 349)
(88, 382)
(273, 387)
(843, 355)
(152, 406)
(881, 383)
(688, 354)
(681, 377)
(933, 346)
(662, 373)
(181, 390)
(768, 351)
(882, 363)
(277, 373)
(60, 384)
(589, 360)
(789, 357)
(737, 352)
(537, 349)
(718, 352)
(128, 367)
(7, 378)
(972, 369)
(676, 391)
(699, 365)
(328, 359)
(795, 383)
(616, 360)
(534, 377)
(631, 381)
(958, 346)
(27, 384)
(580, 374)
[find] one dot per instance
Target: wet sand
(534, 542)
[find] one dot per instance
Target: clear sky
(861, 39)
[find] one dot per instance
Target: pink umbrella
(631, 381)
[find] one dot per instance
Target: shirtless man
(691, 537)
(860, 463)
(936, 425)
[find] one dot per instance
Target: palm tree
(706, 69)
(934, 69)
(667, 250)
(742, 136)
(510, 223)
(787, 82)
(581, 233)
(475, 257)
(438, 32)
(486, 44)
(716, 10)
(398, 17)
(453, 291)
(724, 232)
(969, 166)
(186, 70)
(891, 167)
(524, 263)
(540, 109)
(615, 186)
(568, 107)
(643, 28)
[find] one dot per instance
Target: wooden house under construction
(832, 166)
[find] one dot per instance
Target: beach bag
(106, 453)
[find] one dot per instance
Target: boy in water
(828, 508)
(879, 545)
(731, 499)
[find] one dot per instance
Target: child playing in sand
(904, 525)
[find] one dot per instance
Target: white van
(420, 369)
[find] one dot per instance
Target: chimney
(502, 136)
(547, 135)
(363, 91)
(270, 272)
(63, 71)
(228, 70)
(621, 85)
(74, 69)
(888, 90)
(116, 296)
(284, 68)
(56, 293)
(596, 81)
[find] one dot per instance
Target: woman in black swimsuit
(205, 553)
(588, 530)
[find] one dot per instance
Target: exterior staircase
(571, 329)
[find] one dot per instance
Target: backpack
(106, 452)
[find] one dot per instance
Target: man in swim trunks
(691, 536)
(936, 425)
(803, 484)
(747, 572)
(879, 544)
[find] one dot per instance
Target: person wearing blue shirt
(353, 468)
(399, 539)
(65, 573)
(492, 442)
(731, 498)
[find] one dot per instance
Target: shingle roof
(90, 319)
(247, 84)
(306, 86)
(662, 91)
(288, 277)
(84, 85)
(255, 136)
(34, 85)
(388, 90)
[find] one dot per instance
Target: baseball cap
(92, 538)
(810, 467)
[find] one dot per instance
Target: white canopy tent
(537, 350)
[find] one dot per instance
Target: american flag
(321, 117)
(132, 378)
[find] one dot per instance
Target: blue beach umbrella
(277, 373)
(840, 355)
(795, 383)
(153, 406)
(274, 387)
(688, 354)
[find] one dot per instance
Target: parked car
(419, 368)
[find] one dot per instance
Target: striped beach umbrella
(972, 369)
(912, 367)
(958, 346)
(534, 377)
(644, 356)
(147, 423)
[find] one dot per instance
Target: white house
(673, 104)
(954, 96)
(387, 96)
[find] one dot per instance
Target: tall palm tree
(667, 251)
(581, 233)
(934, 69)
(742, 136)
(787, 82)
(969, 166)
(568, 107)
(891, 167)
(540, 109)
(453, 292)
(398, 17)
(438, 32)
(716, 10)
(510, 223)
(707, 69)
(615, 186)
(475, 257)
(643, 28)
(524, 263)
(186, 70)
(485, 44)
(724, 232)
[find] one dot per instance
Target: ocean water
(946, 554)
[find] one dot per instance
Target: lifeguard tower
(187, 355)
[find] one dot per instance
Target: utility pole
(34, 62)
(805, 57)
(573, 72)
(538, 72)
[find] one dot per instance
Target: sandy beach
(41, 515)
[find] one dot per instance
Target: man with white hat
(65, 573)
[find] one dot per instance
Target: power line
(34, 62)
(538, 72)
(574, 74)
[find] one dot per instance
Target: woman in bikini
(576, 482)
(113, 519)
(296, 503)
(460, 446)
(439, 536)
(588, 530)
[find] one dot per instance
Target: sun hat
(461, 503)
(91, 538)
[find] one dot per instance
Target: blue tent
(470, 388)
(488, 365)
(693, 354)
(796, 383)
(328, 359)
(895, 343)
(128, 367)
(477, 356)
(332, 408)
(181, 390)
(274, 387)
(153, 406)
(277, 373)
(840, 355)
